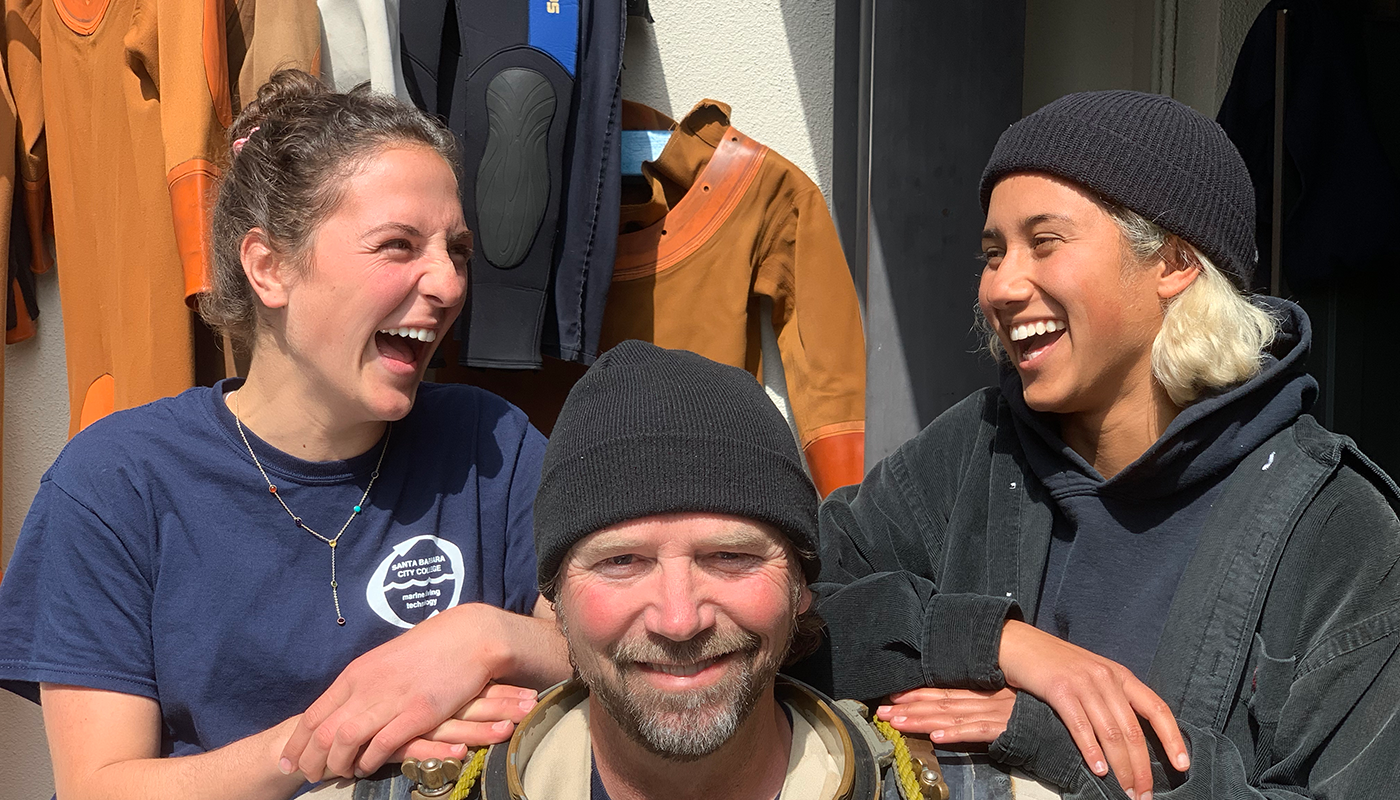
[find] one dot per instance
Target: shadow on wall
(946, 81)
(811, 48)
(642, 70)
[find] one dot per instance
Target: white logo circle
(420, 578)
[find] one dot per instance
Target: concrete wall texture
(36, 428)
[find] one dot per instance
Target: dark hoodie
(1120, 545)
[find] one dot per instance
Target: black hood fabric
(1121, 545)
(1205, 440)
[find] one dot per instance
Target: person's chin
(391, 403)
(1042, 395)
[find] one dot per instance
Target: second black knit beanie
(1148, 153)
(650, 431)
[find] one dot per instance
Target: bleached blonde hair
(1212, 337)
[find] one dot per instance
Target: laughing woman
(1141, 520)
(319, 568)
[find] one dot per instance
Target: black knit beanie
(650, 431)
(1147, 153)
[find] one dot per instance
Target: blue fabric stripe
(554, 29)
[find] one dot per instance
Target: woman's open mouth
(404, 345)
(1030, 340)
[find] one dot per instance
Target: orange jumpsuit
(266, 36)
(730, 222)
(135, 97)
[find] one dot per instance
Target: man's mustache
(660, 650)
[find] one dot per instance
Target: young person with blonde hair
(1137, 566)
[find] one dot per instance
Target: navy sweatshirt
(1120, 545)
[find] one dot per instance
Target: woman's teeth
(1036, 328)
(421, 334)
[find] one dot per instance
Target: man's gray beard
(675, 725)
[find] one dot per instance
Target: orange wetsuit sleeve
(816, 317)
(181, 44)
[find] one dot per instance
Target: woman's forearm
(105, 746)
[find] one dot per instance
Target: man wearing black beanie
(1137, 566)
(676, 528)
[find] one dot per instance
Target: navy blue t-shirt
(155, 562)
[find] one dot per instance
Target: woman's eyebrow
(400, 227)
(1031, 222)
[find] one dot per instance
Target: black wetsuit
(532, 91)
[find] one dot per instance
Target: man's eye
(1042, 242)
(731, 559)
(620, 561)
(989, 255)
(397, 244)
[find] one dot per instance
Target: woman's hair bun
(286, 91)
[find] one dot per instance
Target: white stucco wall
(771, 60)
(36, 428)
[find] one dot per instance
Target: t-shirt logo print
(420, 577)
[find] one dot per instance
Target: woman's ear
(1176, 270)
(266, 269)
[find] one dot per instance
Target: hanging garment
(135, 98)
(8, 170)
(361, 43)
(266, 36)
(22, 65)
(1337, 178)
(532, 92)
(728, 225)
(31, 215)
(22, 308)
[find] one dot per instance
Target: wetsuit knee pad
(502, 73)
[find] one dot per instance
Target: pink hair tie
(239, 142)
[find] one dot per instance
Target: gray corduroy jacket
(1279, 655)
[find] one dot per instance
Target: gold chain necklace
(329, 540)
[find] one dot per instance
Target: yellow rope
(903, 761)
(470, 772)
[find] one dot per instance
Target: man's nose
(679, 612)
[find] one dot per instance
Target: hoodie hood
(1205, 441)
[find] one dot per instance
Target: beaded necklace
(329, 540)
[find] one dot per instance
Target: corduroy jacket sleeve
(884, 551)
(1315, 713)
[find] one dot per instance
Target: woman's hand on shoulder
(489, 719)
(405, 689)
(950, 716)
(1099, 701)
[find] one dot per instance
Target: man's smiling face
(678, 624)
